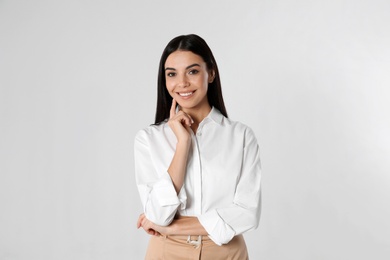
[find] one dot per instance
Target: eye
(193, 72)
(171, 74)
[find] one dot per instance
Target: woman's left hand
(149, 226)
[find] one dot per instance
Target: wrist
(183, 144)
(170, 230)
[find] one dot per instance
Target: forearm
(177, 168)
(181, 226)
(186, 226)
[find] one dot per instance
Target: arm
(162, 192)
(158, 195)
(177, 168)
(180, 124)
(179, 226)
(243, 214)
(222, 224)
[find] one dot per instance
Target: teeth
(185, 94)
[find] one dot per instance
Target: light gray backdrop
(78, 80)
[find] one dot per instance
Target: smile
(187, 94)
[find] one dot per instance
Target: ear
(211, 76)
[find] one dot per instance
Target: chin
(186, 106)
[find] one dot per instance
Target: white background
(78, 80)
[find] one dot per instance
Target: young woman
(197, 172)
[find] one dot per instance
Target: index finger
(173, 108)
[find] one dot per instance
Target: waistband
(196, 241)
(185, 237)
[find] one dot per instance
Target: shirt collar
(214, 115)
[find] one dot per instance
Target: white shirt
(222, 182)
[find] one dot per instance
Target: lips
(185, 94)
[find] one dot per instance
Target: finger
(140, 219)
(138, 223)
(147, 224)
(192, 120)
(173, 108)
(188, 127)
(184, 117)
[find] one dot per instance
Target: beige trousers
(203, 248)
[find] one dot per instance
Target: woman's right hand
(180, 123)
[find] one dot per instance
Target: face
(187, 79)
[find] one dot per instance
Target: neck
(197, 114)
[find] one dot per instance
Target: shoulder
(237, 126)
(146, 134)
(240, 130)
(228, 123)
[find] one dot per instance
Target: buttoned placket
(197, 139)
(197, 180)
(197, 175)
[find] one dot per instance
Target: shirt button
(199, 133)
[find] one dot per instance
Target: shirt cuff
(183, 198)
(165, 192)
(218, 230)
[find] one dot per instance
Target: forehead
(178, 59)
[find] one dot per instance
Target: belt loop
(195, 243)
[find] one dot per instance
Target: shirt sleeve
(158, 195)
(243, 214)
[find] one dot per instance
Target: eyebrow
(188, 67)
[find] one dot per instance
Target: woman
(197, 172)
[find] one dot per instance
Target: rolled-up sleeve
(243, 214)
(158, 195)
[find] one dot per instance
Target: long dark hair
(197, 45)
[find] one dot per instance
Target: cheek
(170, 92)
(169, 85)
(205, 82)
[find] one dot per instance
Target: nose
(183, 81)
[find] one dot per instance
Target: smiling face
(187, 79)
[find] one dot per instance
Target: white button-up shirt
(222, 182)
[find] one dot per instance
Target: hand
(150, 227)
(180, 124)
(147, 225)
